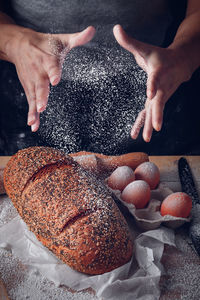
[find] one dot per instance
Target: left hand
(166, 70)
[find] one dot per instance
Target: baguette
(108, 163)
(70, 211)
(2, 189)
(3, 163)
(3, 292)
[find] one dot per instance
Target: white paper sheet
(138, 279)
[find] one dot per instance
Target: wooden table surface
(182, 264)
(168, 166)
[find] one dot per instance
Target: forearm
(8, 31)
(187, 39)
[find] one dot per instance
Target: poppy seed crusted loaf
(70, 211)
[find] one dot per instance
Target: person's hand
(38, 59)
(166, 70)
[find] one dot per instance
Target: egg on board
(120, 178)
(176, 204)
(137, 192)
(148, 172)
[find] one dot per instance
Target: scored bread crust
(24, 164)
(70, 211)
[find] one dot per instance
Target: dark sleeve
(178, 11)
(5, 6)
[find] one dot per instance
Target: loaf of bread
(70, 211)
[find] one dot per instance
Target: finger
(151, 86)
(70, 41)
(148, 128)
(36, 124)
(138, 49)
(157, 111)
(29, 90)
(32, 113)
(139, 123)
(42, 92)
(53, 68)
(55, 77)
(81, 38)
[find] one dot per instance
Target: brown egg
(120, 178)
(177, 204)
(148, 172)
(137, 192)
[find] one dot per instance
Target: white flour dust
(96, 103)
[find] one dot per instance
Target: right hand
(166, 69)
(38, 59)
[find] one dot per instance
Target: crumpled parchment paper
(138, 279)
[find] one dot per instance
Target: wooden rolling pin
(99, 164)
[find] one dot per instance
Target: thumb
(77, 39)
(139, 49)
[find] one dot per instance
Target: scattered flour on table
(7, 210)
(23, 284)
(183, 275)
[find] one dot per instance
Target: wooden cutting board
(168, 166)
